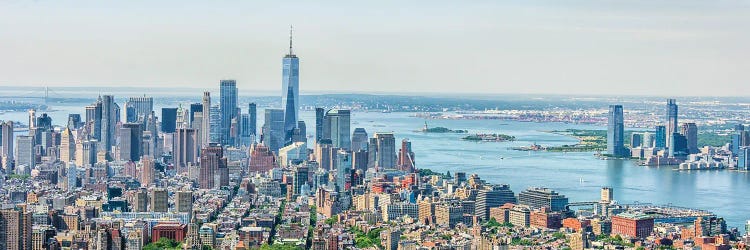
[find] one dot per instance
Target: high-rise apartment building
(159, 200)
(212, 161)
(492, 196)
(205, 129)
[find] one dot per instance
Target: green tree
(163, 243)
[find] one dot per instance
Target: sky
(599, 47)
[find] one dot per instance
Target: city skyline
(598, 48)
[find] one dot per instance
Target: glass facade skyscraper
(615, 131)
(671, 120)
(228, 104)
(290, 89)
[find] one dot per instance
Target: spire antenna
(291, 29)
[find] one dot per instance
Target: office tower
(67, 146)
(86, 153)
(184, 201)
(25, 151)
(492, 196)
(94, 118)
(543, 197)
(182, 119)
(359, 139)
(108, 124)
(138, 108)
(660, 137)
(252, 110)
(147, 171)
(406, 157)
(337, 128)
(245, 131)
(647, 140)
(6, 141)
(343, 160)
(300, 133)
(679, 147)
(301, 175)
(131, 142)
(185, 148)
(615, 131)
(273, 129)
(74, 121)
(44, 122)
(214, 135)
(382, 151)
(159, 200)
(671, 120)
(140, 201)
(195, 108)
(320, 114)
(212, 160)
(168, 120)
(636, 140)
(743, 159)
(690, 131)
(228, 96)
(290, 88)
(359, 160)
(290, 120)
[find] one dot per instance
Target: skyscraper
(343, 161)
(94, 118)
(168, 120)
(273, 129)
(195, 108)
(359, 139)
(252, 110)
(337, 126)
(228, 104)
(615, 131)
(384, 151)
(406, 157)
(492, 196)
(290, 121)
(138, 108)
(25, 151)
(159, 201)
(690, 131)
(147, 171)
(320, 114)
(131, 142)
(205, 129)
(6, 141)
(290, 87)
(660, 137)
(671, 120)
(245, 132)
(212, 160)
(108, 123)
(636, 140)
(185, 148)
(214, 135)
(67, 146)
(74, 121)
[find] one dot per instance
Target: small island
(426, 129)
(489, 137)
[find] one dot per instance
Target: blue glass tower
(290, 89)
(228, 104)
(615, 132)
(661, 137)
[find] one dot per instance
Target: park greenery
(163, 243)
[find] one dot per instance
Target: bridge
(581, 204)
(34, 93)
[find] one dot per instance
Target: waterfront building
(660, 137)
(690, 132)
(615, 132)
(743, 158)
(671, 120)
(636, 140)
(537, 197)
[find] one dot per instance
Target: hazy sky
(656, 47)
